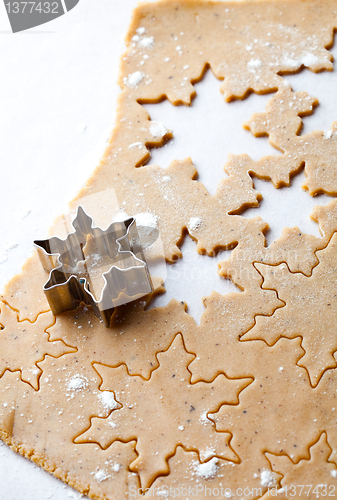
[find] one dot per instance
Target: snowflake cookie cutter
(90, 254)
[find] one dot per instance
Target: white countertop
(59, 91)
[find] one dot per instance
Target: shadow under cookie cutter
(119, 247)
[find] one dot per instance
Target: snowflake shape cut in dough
(24, 344)
(175, 413)
(317, 476)
(310, 311)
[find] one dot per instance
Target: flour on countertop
(81, 128)
(75, 495)
(25, 213)
(7, 249)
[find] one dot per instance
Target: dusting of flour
(207, 470)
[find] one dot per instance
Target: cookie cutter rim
(66, 290)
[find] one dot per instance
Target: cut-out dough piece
(222, 478)
(173, 196)
(313, 478)
(280, 412)
(134, 337)
(317, 150)
(41, 425)
(216, 341)
(294, 247)
(310, 311)
(164, 412)
(24, 344)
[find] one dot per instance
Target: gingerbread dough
(157, 401)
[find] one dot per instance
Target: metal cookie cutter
(111, 261)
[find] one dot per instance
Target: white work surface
(58, 100)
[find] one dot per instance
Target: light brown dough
(309, 311)
(25, 344)
(280, 412)
(297, 481)
(221, 478)
(167, 411)
(317, 151)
